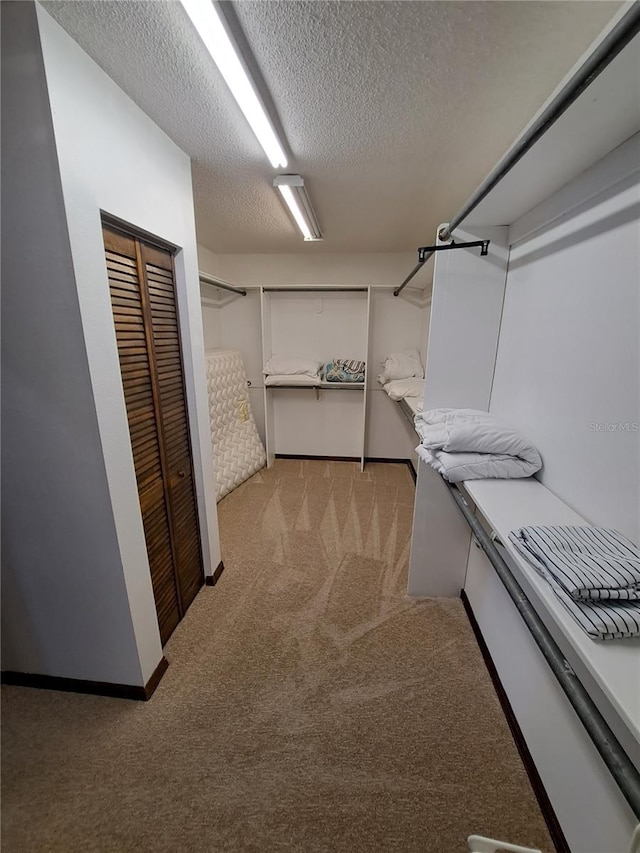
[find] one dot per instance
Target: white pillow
(286, 365)
(398, 389)
(401, 365)
(301, 379)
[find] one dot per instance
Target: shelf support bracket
(425, 251)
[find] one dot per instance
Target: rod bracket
(424, 252)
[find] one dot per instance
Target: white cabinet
(327, 419)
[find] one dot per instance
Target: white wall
(375, 269)
(235, 324)
(208, 261)
(111, 157)
(468, 291)
(397, 324)
(65, 607)
(318, 326)
(568, 365)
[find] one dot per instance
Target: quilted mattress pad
(237, 449)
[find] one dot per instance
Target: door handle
(181, 472)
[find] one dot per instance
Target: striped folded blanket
(344, 370)
(594, 571)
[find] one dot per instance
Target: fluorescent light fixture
(208, 21)
(293, 192)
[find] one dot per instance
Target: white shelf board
(605, 115)
(613, 665)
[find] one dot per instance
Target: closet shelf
(608, 669)
(315, 322)
(408, 412)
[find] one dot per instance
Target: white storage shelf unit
(327, 419)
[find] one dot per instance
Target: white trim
(616, 167)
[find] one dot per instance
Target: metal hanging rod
(315, 289)
(604, 740)
(426, 251)
(413, 272)
(209, 279)
(326, 386)
(627, 27)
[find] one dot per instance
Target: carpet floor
(308, 705)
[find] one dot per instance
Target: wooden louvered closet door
(143, 300)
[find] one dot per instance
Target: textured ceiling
(392, 111)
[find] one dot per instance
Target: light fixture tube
(208, 22)
(293, 192)
(294, 207)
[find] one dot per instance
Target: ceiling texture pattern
(393, 112)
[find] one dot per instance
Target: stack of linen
(344, 370)
(402, 375)
(289, 370)
(594, 571)
(467, 444)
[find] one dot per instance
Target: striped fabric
(594, 571)
(344, 370)
(352, 365)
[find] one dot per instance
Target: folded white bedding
(401, 365)
(398, 389)
(301, 379)
(291, 366)
(456, 467)
(467, 444)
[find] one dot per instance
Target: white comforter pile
(401, 365)
(402, 377)
(400, 389)
(467, 444)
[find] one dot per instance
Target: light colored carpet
(308, 705)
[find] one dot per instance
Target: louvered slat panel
(132, 371)
(171, 399)
(143, 430)
(129, 313)
(141, 418)
(124, 294)
(137, 380)
(177, 448)
(175, 416)
(170, 372)
(187, 542)
(163, 299)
